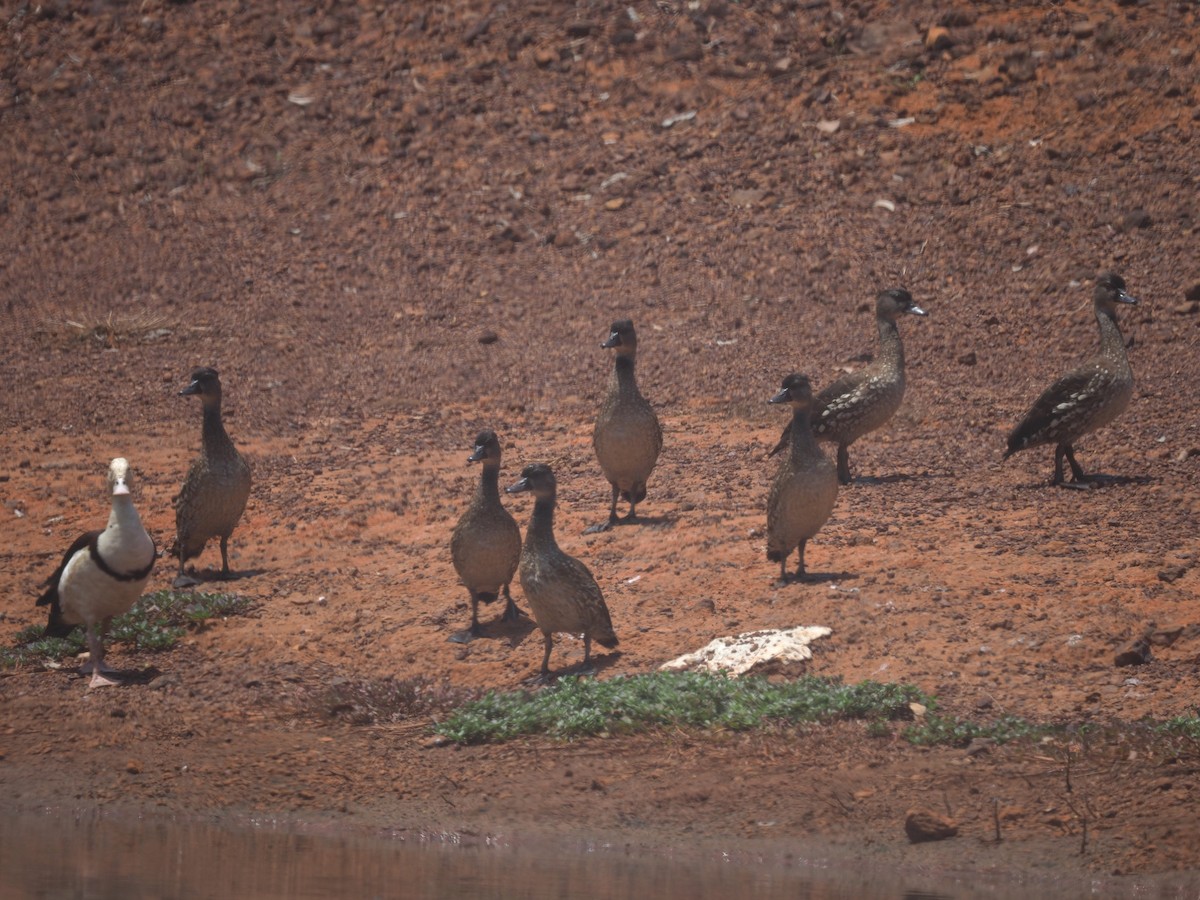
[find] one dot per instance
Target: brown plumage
(563, 596)
(863, 401)
(217, 485)
(1086, 398)
(805, 488)
(627, 437)
(486, 543)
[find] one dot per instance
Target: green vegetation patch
(939, 730)
(576, 707)
(156, 622)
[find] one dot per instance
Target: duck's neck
(124, 514)
(804, 445)
(213, 431)
(624, 382)
(489, 483)
(1112, 343)
(891, 350)
(541, 526)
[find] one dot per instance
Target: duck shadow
(816, 578)
(657, 522)
(594, 666)
(194, 577)
(1092, 483)
(894, 478)
(514, 630)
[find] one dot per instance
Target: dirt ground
(391, 227)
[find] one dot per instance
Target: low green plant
(576, 707)
(1185, 726)
(156, 622)
(935, 729)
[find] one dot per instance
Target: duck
(485, 545)
(217, 486)
(562, 593)
(1086, 398)
(805, 488)
(627, 437)
(101, 575)
(862, 401)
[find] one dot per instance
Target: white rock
(743, 653)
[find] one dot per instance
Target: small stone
(1082, 30)
(1171, 573)
(488, 337)
(979, 746)
(614, 204)
(1137, 218)
(1193, 293)
(1190, 308)
(968, 358)
(1135, 653)
(133, 767)
(937, 39)
(923, 825)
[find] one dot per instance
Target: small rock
(1082, 30)
(1191, 307)
(1135, 653)
(968, 358)
(1193, 293)
(925, 825)
(1187, 453)
(937, 39)
(164, 681)
(488, 337)
(979, 746)
(133, 767)
(1171, 573)
(614, 204)
(1137, 218)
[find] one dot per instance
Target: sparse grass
(108, 329)
(936, 730)
(580, 707)
(156, 622)
(1184, 726)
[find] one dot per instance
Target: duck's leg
(225, 556)
(784, 577)
(183, 580)
(586, 668)
(1081, 480)
(801, 575)
(95, 663)
(843, 464)
(612, 515)
(544, 675)
(512, 612)
(472, 631)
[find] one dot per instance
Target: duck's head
(1110, 292)
(621, 337)
(796, 390)
(895, 302)
(119, 477)
(535, 477)
(487, 447)
(205, 382)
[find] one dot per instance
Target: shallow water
(90, 856)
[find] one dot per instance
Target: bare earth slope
(390, 228)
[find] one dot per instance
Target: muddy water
(52, 856)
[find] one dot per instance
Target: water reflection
(95, 858)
